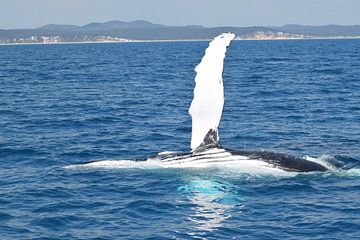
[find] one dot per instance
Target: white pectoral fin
(208, 102)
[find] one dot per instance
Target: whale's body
(218, 156)
(206, 110)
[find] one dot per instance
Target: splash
(116, 164)
(322, 160)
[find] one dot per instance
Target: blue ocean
(65, 105)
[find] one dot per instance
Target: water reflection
(212, 199)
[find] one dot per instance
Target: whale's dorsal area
(207, 105)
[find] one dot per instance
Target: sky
(240, 13)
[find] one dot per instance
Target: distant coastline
(177, 40)
(142, 31)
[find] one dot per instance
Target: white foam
(115, 164)
(355, 172)
(322, 160)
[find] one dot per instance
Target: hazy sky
(34, 13)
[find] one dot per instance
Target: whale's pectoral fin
(208, 102)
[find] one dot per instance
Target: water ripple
(62, 105)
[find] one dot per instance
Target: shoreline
(104, 42)
(180, 40)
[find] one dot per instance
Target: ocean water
(66, 105)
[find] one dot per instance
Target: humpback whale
(206, 110)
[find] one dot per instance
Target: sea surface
(66, 105)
